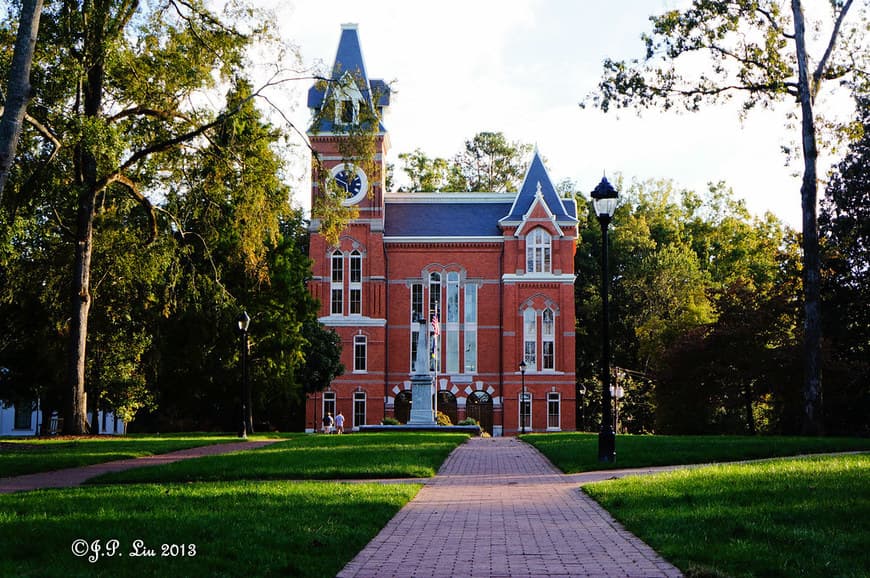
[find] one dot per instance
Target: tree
(491, 163)
(118, 82)
(759, 49)
(18, 89)
(429, 175)
(704, 310)
(844, 223)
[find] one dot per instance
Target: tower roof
(538, 184)
(349, 60)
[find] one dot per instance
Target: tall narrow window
(355, 283)
(538, 251)
(452, 322)
(525, 417)
(553, 411)
(548, 340)
(530, 339)
(359, 353)
(337, 284)
(416, 313)
(359, 409)
(435, 311)
(434, 293)
(328, 403)
(470, 328)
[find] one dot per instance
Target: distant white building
(26, 420)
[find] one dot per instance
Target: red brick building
(496, 268)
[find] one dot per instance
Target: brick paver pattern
(499, 508)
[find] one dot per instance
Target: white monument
(422, 412)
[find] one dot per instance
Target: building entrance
(479, 406)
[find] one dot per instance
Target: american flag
(436, 326)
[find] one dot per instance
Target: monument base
(421, 401)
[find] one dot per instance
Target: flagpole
(435, 381)
(436, 338)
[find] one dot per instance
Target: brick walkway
(498, 508)
(77, 476)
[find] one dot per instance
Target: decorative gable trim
(539, 215)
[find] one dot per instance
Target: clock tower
(347, 135)
(349, 144)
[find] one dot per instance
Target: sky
(521, 67)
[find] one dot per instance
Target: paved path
(77, 476)
(498, 508)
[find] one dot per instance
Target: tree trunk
(76, 419)
(811, 422)
(18, 87)
(92, 90)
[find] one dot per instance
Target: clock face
(352, 181)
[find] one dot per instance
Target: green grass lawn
(32, 455)
(298, 529)
(789, 517)
(356, 456)
(785, 517)
(578, 452)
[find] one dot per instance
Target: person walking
(339, 423)
(327, 423)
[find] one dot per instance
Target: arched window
(539, 247)
(530, 339)
(548, 340)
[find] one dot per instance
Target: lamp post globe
(243, 322)
(605, 199)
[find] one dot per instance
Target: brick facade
(496, 268)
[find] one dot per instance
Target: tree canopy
(760, 50)
(488, 163)
(141, 217)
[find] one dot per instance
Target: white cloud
(521, 67)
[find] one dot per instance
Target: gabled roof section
(349, 60)
(538, 184)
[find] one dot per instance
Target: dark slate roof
(536, 174)
(349, 58)
(440, 219)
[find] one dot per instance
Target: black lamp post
(523, 398)
(243, 321)
(605, 199)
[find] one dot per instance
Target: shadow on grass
(785, 517)
(218, 529)
(357, 456)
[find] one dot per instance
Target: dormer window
(347, 99)
(538, 251)
(347, 111)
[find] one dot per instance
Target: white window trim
(551, 338)
(355, 285)
(530, 337)
(336, 285)
(363, 341)
(529, 400)
(359, 396)
(557, 397)
(539, 241)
